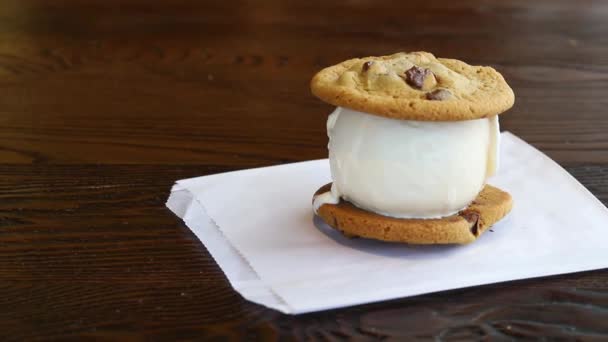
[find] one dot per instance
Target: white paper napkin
(259, 227)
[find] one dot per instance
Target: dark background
(103, 104)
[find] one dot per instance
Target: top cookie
(414, 86)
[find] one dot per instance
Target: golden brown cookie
(414, 86)
(491, 205)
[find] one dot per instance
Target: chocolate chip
(470, 216)
(416, 76)
(439, 95)
(366, 65)
(473, 218)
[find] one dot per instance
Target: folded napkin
(259, 227)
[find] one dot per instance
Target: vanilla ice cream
(408, 169)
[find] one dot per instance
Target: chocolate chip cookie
(414, 86)
(491, 205)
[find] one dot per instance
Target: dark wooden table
(104, 104)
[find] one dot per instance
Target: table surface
(105, 104)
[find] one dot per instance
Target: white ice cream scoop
(409, 169)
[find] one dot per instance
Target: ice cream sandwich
(412, 143)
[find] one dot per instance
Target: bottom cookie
(491, 205)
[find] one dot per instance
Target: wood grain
(179, 83)
(105, 103)
(100, 256)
